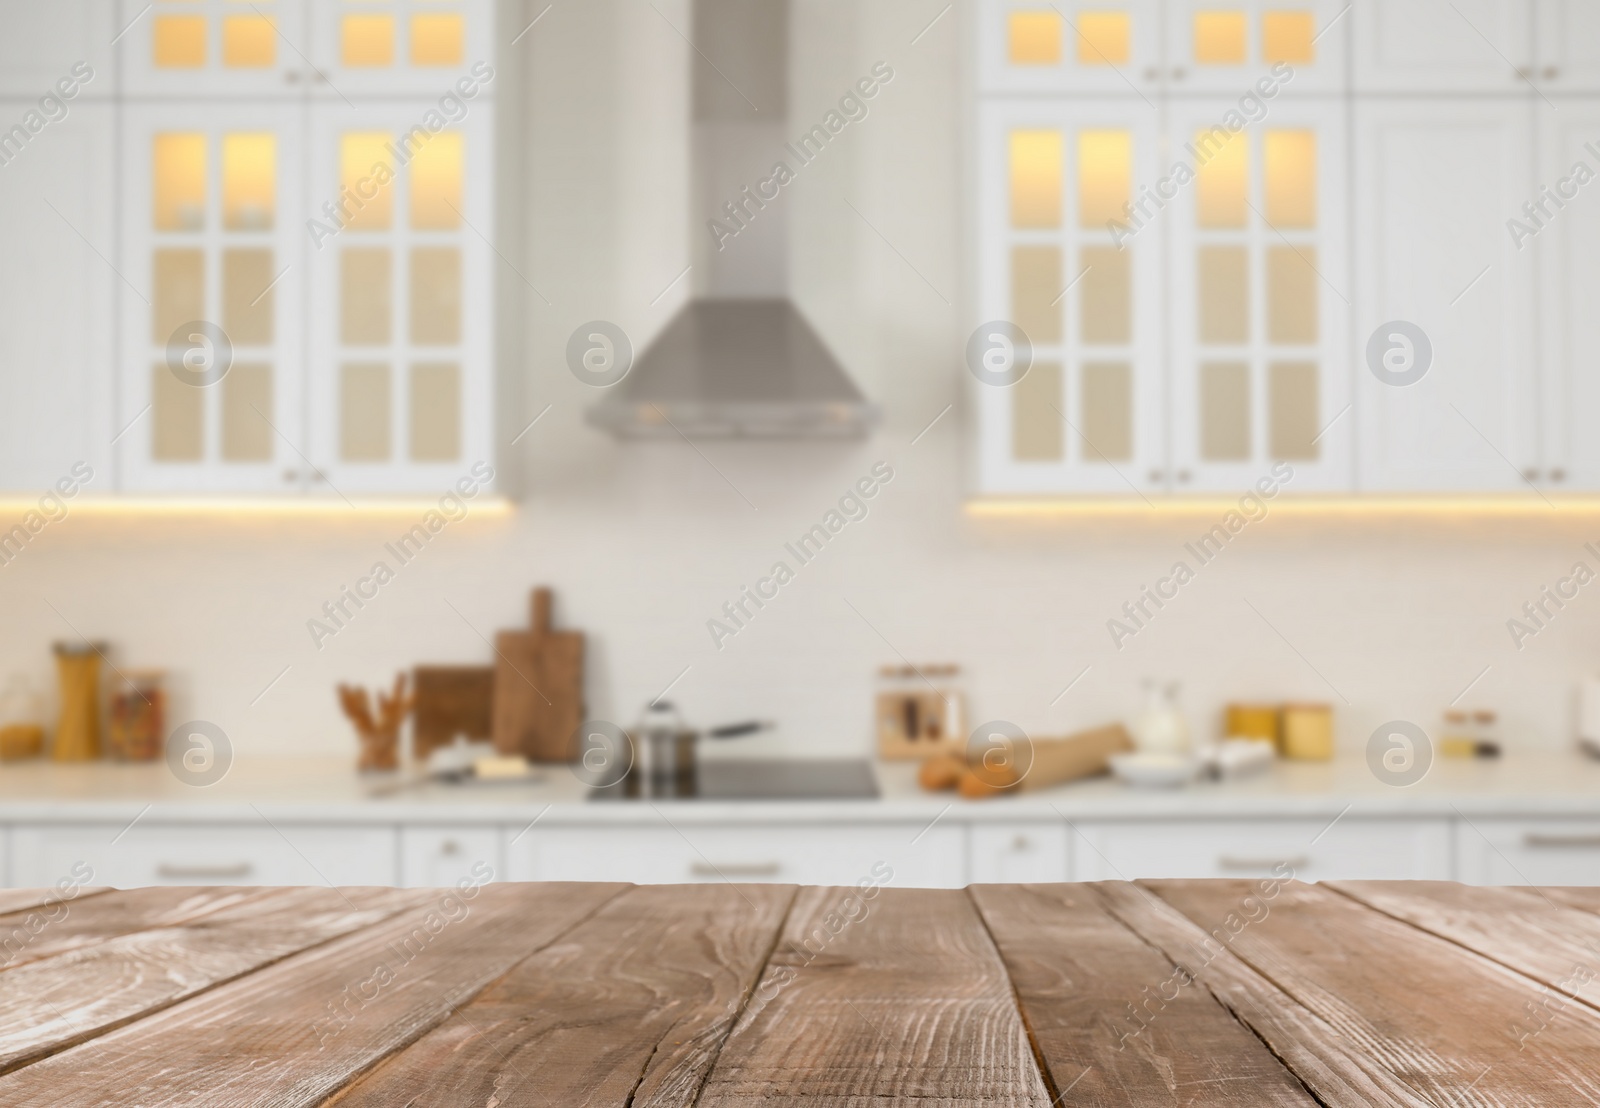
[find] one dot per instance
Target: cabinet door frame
(287, 77)
(86, 31)
(1560, 34)
(333, 80)
(141, 353)
(1497, 52)
(1332, 470)
(1140, 75)
(1324, 76)
(474, 353)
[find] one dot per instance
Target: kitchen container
(1252, 721)
(1160, 727)
(78, 727)
(137, 730)
(920, 711)
(1308, 732)
(21, 721)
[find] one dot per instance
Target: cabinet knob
(1551, 72)
(1558, 475)
(1152, 73)
(449, 848)
(1530, 475)
(291, 475)
(291, 76)
(1155, 476)
(1020, 843)
(1183, 476)
(1179, 73)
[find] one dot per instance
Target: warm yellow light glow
(438, 38)
(366, 174)
(436, 182)
(179, 188)
(1104, 38)
(179, 41)
(1105, 176)
(249, 181)
(1219, 38)
(249, 42)
(1464, 507)
(1291, 167)
(368, 41)
(1036, 178)
(488, 505)
(1288, 37)
(1034, 38)
(1224, 178)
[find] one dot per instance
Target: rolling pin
(1054, 762)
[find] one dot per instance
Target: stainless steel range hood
(736, 369)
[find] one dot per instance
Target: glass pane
(1225, 412)
(1288, 37)
(1108, 411)
(1103, 38)
(435, 412)
(1036, 425)
(368, 40)
(1224, 276)
(179, 42)
(1291, 167)
(364, 296)
(247, 296)
(1036, 178)
(1292, 294)
(179, 188)
(436, 295)
(177, 413)
(1219, 38)
(1105, 176)
(366, 175)
(1106, 295)
(364, 412)
(246, 413)
(1034, 38)
(1036, 292)
(1292, 410)
(249, 42)
(436, 182)
(249, 181)
(438, 38)
(1222, 188)
(179, 286)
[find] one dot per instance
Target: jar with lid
(138, 715)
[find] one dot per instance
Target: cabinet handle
(1156, 475)
(1524, 71)
(291, 77)
(1252, 865)
(735, 869)
(1021, 843)
(204, 873)
(1558, 475)
(1551, 72)
(1530, 475)
(1152, 73)
(1535, 840)
(449, 848)
(1183, 476)
(1179, 73)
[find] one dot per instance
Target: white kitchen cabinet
(365, 48)
(1528, 851)
(1433, 46)
(57, 290)
(180, 47)
(906, 855)
(1076, 46)
(1017, 853)
(1227, 47)
(205, 854)
(1260, 299)
(1369, 849)
(43, 43)
(1064, 261)
(1436, 181)
(1569, 45)
(436, 857)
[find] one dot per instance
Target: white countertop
(328, 790)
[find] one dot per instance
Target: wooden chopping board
(450, 701)
(538, 688)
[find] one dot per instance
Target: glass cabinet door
(1111, 46)
(1065, 261)
(1226, 48)
(1260, 300)
(406, 47)
(402, 279)
(212, 285)
(184, 47)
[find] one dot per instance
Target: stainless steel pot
(666, 752)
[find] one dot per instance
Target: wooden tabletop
(566, 995)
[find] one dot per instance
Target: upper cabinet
(1226, 48)
(45, 43)
(176, 48)
(1433, 46)
(397, 47)
(1568, 34)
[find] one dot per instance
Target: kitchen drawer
(1013, 853)
(205, 854)
(1353, 848)
(434, 857)
(1528, 851)
(828, 855)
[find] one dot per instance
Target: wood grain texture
(1113, 1019)
(538, 687)
(296, 1032)
(629, 1009)
(450, 701)
(86, 991)
(20, 900)
(1439, 1018)
(897, 1000)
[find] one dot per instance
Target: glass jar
(21, 720)
(138, 716)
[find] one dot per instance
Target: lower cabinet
(1312, 850)
(434, 857)
(900, 855)
(1017, 853)
(1528, 852)
(202, 854)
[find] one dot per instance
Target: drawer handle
(735, 869)
(203, 873)
(1253, 865)
(1536, 840)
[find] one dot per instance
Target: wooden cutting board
(538, 688)
(450, 701)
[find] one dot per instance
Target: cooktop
(767, 779)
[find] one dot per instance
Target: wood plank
(1318, 1055)
(1523, 929)
(68, 925)
(1433, 1014)
(20, 900)
(296, 1032)
(897, 1000)
(630, 1009)
(1113, 1019)
(80, 993)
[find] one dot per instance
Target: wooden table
(561, 995)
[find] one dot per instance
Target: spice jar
(78, 729)
(138, 716)
(21, 726)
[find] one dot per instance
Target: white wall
(645, 543)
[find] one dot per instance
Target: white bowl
(1155, 771)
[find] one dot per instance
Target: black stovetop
(768, 779)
